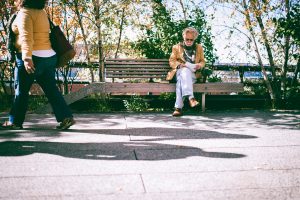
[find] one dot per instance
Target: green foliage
(167, 96)
(206, 72)
(100, 105)
(214, 79)
(136, 103)
(293, 97)
(36, 102)
(5, 102)
(288, 26)
(165, 32)
(93, 103)
(255, 87)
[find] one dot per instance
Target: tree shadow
(108, 151)
(162, 134)
(142, 145)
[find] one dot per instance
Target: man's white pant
(184, 85)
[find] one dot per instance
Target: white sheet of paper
(191, 66)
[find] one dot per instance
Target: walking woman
(186, 60)
(35, 60)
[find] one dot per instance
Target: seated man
(187, 57)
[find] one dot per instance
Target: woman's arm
(25, 27)
(26, 37)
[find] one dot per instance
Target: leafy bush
(293, 97)
(206, 72)
(94, 103)
(255, 87)
(214, 79)
(136, 103)
(5, 102)
(167, 96)
(36, 102)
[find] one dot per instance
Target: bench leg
(203, 102)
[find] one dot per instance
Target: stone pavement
(214, 155)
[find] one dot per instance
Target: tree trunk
(285, 65)
(268, 84)
(66, 82)
(58, 83)
(2, 75)
(286, 53)
(120, 33)
(101, 55)
(275, 79)
(52, 10)
(99, 37)
(183, 10)
(2, 33)
(66, 69)
(267, 45)
(297, 69)
(84, 40)
(7, 67)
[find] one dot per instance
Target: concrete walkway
(215, 155)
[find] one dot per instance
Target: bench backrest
(136, 68)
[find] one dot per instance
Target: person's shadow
(144, 144)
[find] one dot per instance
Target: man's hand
(198, 66)
(182, 65)
(29, 66)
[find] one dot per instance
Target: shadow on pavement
(142, 145)
(161, 134)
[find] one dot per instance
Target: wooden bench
(136, 69)
(143, 76)
(155, 70)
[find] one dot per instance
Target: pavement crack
(143, 183)
(135, 155)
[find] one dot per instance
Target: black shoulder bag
(60, 45)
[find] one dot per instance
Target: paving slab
(255, 194)
(242, 154)
(207, 181)
(70, 185)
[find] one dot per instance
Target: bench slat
(125, 73)
(134, 70)
(166, 87)
(132, 59)
(139, 87)
(145, 76)
(219, 87)
(136, 63)
(137, 66)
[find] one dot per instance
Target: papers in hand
(191, 66)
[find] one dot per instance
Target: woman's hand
(29, 66)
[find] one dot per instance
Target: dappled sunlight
(238, 120)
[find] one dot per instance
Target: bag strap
(10, 21)
(51, 23)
